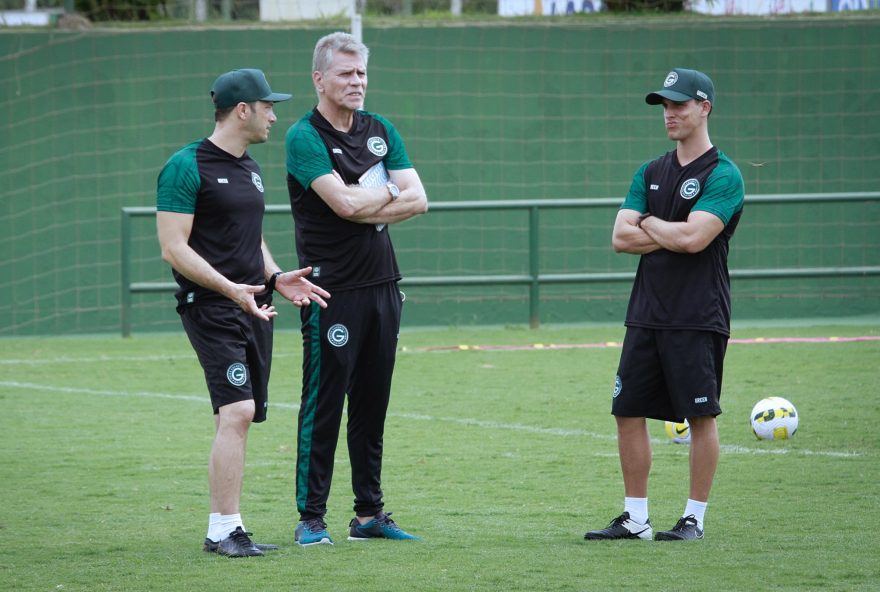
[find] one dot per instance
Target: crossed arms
(638, 234)
(373, 205)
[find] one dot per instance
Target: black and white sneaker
(622, 527)
(237, 544)
(685, 529)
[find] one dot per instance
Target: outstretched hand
(294, 286)
(244, 297)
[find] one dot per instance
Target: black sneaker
(684, 530)
(622, 527)
(237, 544)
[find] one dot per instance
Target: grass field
(499, 458)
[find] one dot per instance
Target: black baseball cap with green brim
(682, 85)
(243, 86)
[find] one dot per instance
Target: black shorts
(235, 351)
(669, 374)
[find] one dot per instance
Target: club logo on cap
(257, 181)
(671, 79)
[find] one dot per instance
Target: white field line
(103, 358)
(481, 423)
(432, 350)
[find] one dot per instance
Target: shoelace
(385, 520)
(316, 525)
(683, 522)
(240, 536)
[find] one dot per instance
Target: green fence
(533, 276)
(509, 110)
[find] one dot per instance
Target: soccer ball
(680, 433)
(774, 418)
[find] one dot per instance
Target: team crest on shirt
(236, 374)
(377, 146)
(689, 189)
(337, 335)
(257, 181)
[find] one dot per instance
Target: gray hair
(332, 43)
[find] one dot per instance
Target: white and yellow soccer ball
(774, 418)
(680, 433)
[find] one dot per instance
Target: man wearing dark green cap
(210, 225)
(679, 216)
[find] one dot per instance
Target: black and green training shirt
(225, 195)
(344, 255)
(680, 290)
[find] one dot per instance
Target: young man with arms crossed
(679, 216)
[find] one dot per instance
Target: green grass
(499, 459)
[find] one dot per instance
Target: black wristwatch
(270, 285)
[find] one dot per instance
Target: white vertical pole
(455, 7)
(356, 29)
(200, 12)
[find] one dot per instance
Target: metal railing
(534, 278)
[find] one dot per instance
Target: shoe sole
(633, 538)
(324, 541)
(356, 539)
(217, 551)
(645, 535)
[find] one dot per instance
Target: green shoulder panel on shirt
(179, 181)
(396, 159)
(307, 157)
(724, 193)
(637, 198)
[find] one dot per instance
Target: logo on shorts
(377, 146)
(236, 374)
(701, 400)
(689, 188)
(257, 181)
(618, 386)
(337, 335)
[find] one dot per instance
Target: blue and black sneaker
(312, 532)
(380, 527)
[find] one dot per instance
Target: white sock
(214, 526)
(637, 508)
(698, 509)
(226, 524)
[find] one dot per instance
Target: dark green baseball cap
(243, 86)
(682, 85)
